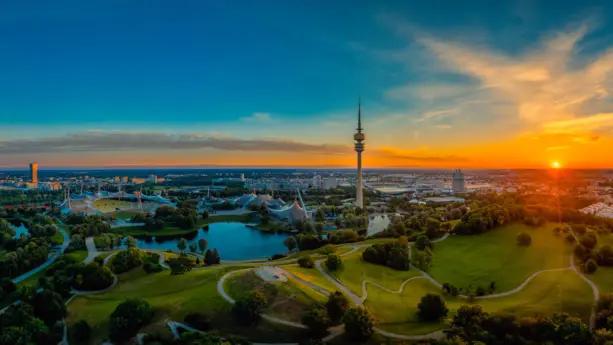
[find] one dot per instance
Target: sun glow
(555, 165)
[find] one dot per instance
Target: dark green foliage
(198, 321)
(92, 276)
(432, 307)
(605, 256)
(483, 219)
(291, 243)
(180, 265)
(49, 307)
(126, 260)
(359, 323)
(392, 254)
(317, 320)
(336, 306)
(589, 240)
(579, 251)
(308, 242)
(524, 239)
(333, 262)
(450, 289)
(590, 266)
(247, 311)
(422, 242)
(127, 318)
(212, 257)
(306, 262)
(81, 332)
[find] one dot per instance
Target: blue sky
(290, 71)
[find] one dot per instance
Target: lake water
(234, 241)
(21, 229)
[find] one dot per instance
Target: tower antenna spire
(359, 114)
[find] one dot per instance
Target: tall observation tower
(359, 138)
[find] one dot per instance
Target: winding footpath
(49, 260)
(92, 251)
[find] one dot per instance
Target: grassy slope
(311, 275)
(495, 256)
(78, 255)
(173, 297)
(57, 238)
(550, 292)
(355, 270)
(603, 277)
(124, 214)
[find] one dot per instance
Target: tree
(247, 311)
(202, 244)
(306, 262)
(131, 242)
(590, 266)
(333, 262)
(182, 245)
(212, 257)
(81, 332)
(127, 318)
(317, 320)
(359, 323)
(337, 305)
(433, 226)
(432, 307)
(524, 239)
(199, 321)
(422, 242)
(290, 243)
(49, 307)
(205, 214)
(579, 251)
(308, 227)
(193, 247)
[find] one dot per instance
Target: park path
(92, 251)
(49, 261)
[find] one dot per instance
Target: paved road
(49, 261)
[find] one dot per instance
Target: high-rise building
(34, 173)
(457, 182)
(317, 181)
(359, 138)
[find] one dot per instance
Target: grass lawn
(548, 293)
(311, 275)
(355, 270)
(107, 205)
(124, 214)
(286, 300)
(495, 256)
(603, 278)
(172, 297)
(57, 238)
(78, 255)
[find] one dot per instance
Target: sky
(444, 84)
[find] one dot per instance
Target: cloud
(443, 126)
(422, 155)
(581, 124)
(436, 115)
(153, 141)
(257, 117)
(426, 92)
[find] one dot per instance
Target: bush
(247, 310)
(359, 323)
(579, 251)
(590, 266)
(524, 239)
(127, 318)
(317, 320)
(392, 254)
(450, 289)
(337, 305)
(333, 262)
(422, 242)
(199, 321)
(125, 260)
(306, 262)
(81, 332)
(432, 307)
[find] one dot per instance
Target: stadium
(120, 204)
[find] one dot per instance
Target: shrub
(306, 262)
(450, 289)
(422, 242)
(247, 310)
(333, 262)
(432, 307)
(337, 305)
(127, 318)
(81, 332)
(359, 323)
(590, 266)
(524, 239)
(198, 321)
(317, 320)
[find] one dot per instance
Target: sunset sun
(555, 165)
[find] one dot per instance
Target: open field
(286, 300)
(107, 205)
(173, 297)
(57, 238)
(495, 256)
(355, 270)
(548, 293)
(311, 275)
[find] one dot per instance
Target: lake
(21, 229)
(234, 241)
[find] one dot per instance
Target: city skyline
(516, 85)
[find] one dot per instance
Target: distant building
(457, 182)
(34, 173)
(124, 179)
(116, 179)
(330, 182)
(317, 181)
(153, 178)
(243, 177)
